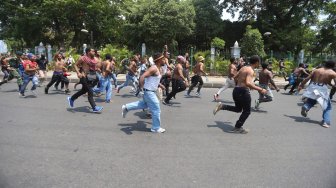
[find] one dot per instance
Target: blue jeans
(115, 81)
(105, 85)
(26, 79)
(150, 101)
(326, 113)
(129, 79)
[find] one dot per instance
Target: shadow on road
(12, 90)
(142, 115)
(225, 126)
(85, 109)
(138, 126)
(258, 110)
(303, 119)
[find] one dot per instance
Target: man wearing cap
(179, 82)
(29, 74)
(241, 95)
(149, 81)
(197, 78)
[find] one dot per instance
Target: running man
(86, 71)
(232, 71)
(318, 92)
(241, 95)
(150, 81)
(58, 74)
(29, 74)
(105, 80)
(197, 78)
(265, 78)
(179, 82)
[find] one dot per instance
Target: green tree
(327, 35)
(157, 22)
(252, 42)
(208, 22)
(59, 22)
(218, 43)
(287, 20)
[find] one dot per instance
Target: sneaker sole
(98, 112)
(217, 108)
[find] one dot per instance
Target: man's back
(323, 75)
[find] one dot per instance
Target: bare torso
(232, 70)
(59, 65)
(244, 76)
(178, 71)
(199, 69)
(323, 76)
(265, 76)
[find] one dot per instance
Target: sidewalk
(211, 82)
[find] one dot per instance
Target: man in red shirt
(29, 74)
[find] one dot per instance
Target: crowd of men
(151, 78)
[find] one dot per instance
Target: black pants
(58, 78)
(194, 81)
(177, 86)
(165, 81)
(86, 88)
(242, 99)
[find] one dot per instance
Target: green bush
(119, 53)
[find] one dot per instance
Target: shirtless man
(241, 95)
(166, 78)
(298, 73)
(131, 75)
(265, 78)
(197, 78)
(105, 80)
(317, 91)
(179, 82)
(232, 71)
(58, 74)
(86, 71)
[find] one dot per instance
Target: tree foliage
(252, 43)
(157, 22)
(218, 43)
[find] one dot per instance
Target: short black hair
(330, 64)
(108, 56)
(232, 59)
(254, 59)
(88, 49)
(264, 65)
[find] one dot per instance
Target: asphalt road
(44, 144)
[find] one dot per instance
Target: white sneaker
(159, 130)
(198, 94)
(124, 111)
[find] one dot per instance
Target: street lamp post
(91, 35)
